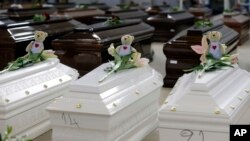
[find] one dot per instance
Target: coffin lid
(167, 11)
(94, 4)
(199, 8)
(119, 10)
(104, 33)
(73, 9)
(3, 17)
(29, 9)
(234, 20)
(22, 83)
(118, 92)
(176, 17)
(102, 6)
(210, 103)
(230, 14)
(24, 31)
(12, 75)
(12, 24)
(63, 5)
(89, 83)
(222, 91)
(200, 31)
(182, 43)
(104, 26)
(26, 13)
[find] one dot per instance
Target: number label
(189, 134)
(68, 120)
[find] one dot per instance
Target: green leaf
(9, 129)
(203, 23)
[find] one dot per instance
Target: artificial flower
(141, 62)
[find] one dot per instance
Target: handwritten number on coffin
(68, 120)
(189, 134)
(202, 135)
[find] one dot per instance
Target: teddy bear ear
(209, 34)
(220, 34)
(46, 34)
(132, 38)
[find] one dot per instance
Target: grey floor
(159, 64)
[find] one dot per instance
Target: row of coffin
(124, 107)
(84, 47)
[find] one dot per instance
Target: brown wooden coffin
(132, 13)
(28, 13)
(15, 36)
(61, 6)
(168, 24)
(201, 12)
(180, 56)
(102, 6)
(84, 15)
(239, 23)
(156, 9)
(123, 14)
(85, 49)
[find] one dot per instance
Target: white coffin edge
(26, 112)
(113, 91)
(122, 107)
(211, 103)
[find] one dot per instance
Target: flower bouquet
(213, 55)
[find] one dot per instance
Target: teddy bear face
(214, 36)
(127, 39)
(40, 36)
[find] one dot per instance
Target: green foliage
(203, 23)
(28, 60)
(25, 61)
(7, 136)
(228, 10)
(83, 6)
(174, 9)
(127, 6)
(212, 64)
(114, 20)
(39, 18)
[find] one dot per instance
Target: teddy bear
(214, 48)
(125, 56)
(126, 48)
(36, 53)
(36, 47)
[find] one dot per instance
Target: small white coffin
(202, 109)
(25, 93)
(123, 107)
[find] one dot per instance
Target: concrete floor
(159, 64)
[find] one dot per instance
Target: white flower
(203, 59)
(234, 58)
(141, 62)
(111, 50)
(136, 56)
(48, 54)
(224, 47)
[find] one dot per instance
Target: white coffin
(202, 109)
(123, 107)
(25, 93)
